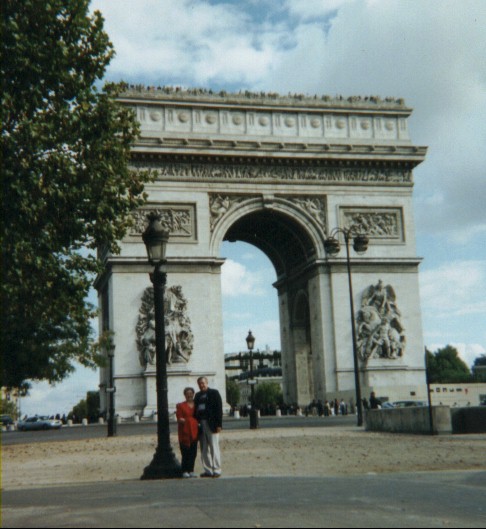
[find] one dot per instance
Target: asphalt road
(439, 499)
(93, 431)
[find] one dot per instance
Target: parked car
(387, 406)
(6, 420)
(39, 423)
(409, 403)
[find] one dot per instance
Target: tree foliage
(268, 394)
(8, 408)
(66, 186)
(232, 393)
(445, 366)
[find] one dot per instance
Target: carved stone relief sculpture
(178, 335)
(179, 219)
(380, 332)
(379, 224)
(241, 172)
(316, 207)
(219, 205)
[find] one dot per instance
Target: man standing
(208, 410)
(375, 404)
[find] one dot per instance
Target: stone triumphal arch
(278, 173)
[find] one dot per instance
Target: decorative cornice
(306, 150)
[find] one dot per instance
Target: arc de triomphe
(278, 173)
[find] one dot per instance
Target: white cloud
(454, 289)
(46, 399)
(237, 280)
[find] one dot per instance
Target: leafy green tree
(232, 393)
(445, 366)
(67, 189)
(268, 394)
(79, 412)
(93, 405)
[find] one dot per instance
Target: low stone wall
(409, 420)
(469, 420)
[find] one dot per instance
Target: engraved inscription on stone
(179, 219)
(384, 224)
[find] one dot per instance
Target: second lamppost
(360, 245)
(250, 342)
(111, 392)
(164, 463)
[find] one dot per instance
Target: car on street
(409, 403)
(6, 420)
(39, 423)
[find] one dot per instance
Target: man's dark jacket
(214, 407)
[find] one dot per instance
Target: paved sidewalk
(438, 499)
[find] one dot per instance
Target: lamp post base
(254, 420)
(163, 466)
(112, 427)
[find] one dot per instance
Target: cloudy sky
(431, 53)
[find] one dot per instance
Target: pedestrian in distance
(208, 410)
(375, 404)
(188, 431)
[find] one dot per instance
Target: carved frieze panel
(178, 334)
(277, 173)
(380, 224)
(380, 332)
(179, 219)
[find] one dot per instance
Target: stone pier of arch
(278, 173)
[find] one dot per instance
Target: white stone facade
(279, 173)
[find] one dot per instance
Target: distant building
(267, 367)
(458, 395)
(237, 364)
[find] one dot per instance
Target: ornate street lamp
(250, 342)
(111, 392)
(360, 245)
(164, 463)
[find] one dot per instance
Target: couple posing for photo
(200, 419)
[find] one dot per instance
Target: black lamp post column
(357, 383)
(250, 341)
(360, 245)
(111, 394)
(164, 463)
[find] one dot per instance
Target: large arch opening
(291, 251)
(285, 242)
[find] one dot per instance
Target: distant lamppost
(360, 245)
(250, 342)
(164, 463)
(110, 391)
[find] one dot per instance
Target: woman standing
(188, 433)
